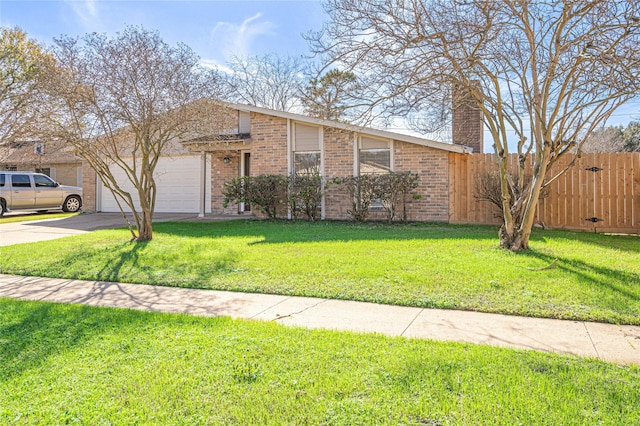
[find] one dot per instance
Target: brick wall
(467, 126)
(338, 162)
(220, 173)
(268, 145)
(89, 178)
(433, 167)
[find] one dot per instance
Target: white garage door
(178, 183)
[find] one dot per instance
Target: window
(45, 171)
(11, 168)
(244, 122)
(306, 163)
(375, 156)
(20, 181)
(38, 148)
(43, 182)
(306, 149)
(2, 179)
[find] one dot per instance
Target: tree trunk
(145, 230)
(514, 241)
(514, 233)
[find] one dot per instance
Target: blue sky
(216, 30)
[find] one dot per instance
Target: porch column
(203, 183)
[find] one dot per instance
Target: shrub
(394, 189)
(487, 187)
(305, 195)
(264, 192)
(363, 190)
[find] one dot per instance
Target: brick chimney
(467, 126)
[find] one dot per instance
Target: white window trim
(356, 153)
(291, 136)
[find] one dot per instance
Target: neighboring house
(54, 159)
(190, 177)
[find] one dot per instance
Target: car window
(20, 181)
(2, 179)
(43, 181)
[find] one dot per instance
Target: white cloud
(234, 39)
(215, 65)
(86, 12)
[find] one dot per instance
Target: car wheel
(71, 204)
(3, 207)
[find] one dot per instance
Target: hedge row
(302, 194)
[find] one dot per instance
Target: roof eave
(358, 129)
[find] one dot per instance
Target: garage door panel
(177, 182)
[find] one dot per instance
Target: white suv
(35, 191)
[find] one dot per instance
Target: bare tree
(606, 139)
(268, 81)
(21, 64)
(544, 75)
(122, 102)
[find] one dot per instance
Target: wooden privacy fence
(600, 193)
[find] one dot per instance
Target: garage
(179, 182)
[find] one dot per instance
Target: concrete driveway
(50, 229)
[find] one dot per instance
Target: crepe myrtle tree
(543, 74)
(121, 101)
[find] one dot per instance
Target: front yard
(591, 276)
(69, 364)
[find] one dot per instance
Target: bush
(487, 187)
(394, 189)
(363, 190)
(264, 192)
(305, 195)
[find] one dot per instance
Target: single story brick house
(191, 176)
(54, 159)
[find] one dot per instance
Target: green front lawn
(69, 364)
(595, 277)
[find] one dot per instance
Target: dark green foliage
(394, 191)
(391, 189)
(362, 191)
(265, 192)
(305, 195)
(631, 137)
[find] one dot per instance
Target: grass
(596, 277)
(69, 364)
(28, 217)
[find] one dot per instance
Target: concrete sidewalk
(607, 342)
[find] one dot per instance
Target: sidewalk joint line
(412, 321)
(591, 340)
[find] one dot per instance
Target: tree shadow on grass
(128, 255)
(43, 331)
(624, 283)
(629, 243)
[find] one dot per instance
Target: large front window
(306, 149)
(375, 156)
